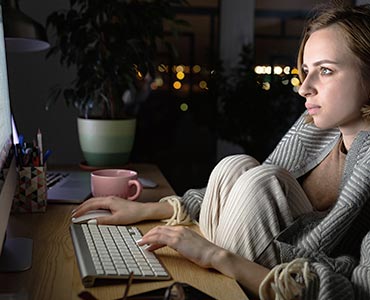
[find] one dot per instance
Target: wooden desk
(54, 274)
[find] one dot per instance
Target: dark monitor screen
(15, 253)
(6, 191)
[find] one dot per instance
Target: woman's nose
(306, 89)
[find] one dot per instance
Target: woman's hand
(124, 211)
(206, 254)
(184, 240)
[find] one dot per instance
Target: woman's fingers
(179, 238)
(107, 220)
(184, 240)
(158, 237)
(91, 204)
(154, 247)
(123, 211)
(165, 235)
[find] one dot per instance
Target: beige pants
(246, 205)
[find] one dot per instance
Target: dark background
(185, 145)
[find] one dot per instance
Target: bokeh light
(158, 81)
(196, 69)
(139, 75)
(278, 70)
(295, 71)
(179, 68)
(180, 75)
(295, 81)
(203, 84)
(258, 70)
(162, 68)
(266, 85)
(177, 85)
(184, 107)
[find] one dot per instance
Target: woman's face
(333, 86)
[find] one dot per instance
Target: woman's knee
(235, 163)
(260, 175)
(264, 171)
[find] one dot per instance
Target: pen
(20, 140)
(46, 155)
(35, 158)
(39, 144)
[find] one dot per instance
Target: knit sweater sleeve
(361, 274)
(192, 200)
(328, 285)
(333, 284)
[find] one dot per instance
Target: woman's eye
(325, 71)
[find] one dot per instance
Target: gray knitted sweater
(337, 243)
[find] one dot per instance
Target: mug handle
(138, 186)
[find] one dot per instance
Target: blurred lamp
(22, 33)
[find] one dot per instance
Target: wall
(30, 79)
(236, 29)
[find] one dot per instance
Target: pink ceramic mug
(115, 182)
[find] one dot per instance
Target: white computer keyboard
(111, 252)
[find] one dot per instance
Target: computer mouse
(147, 183)
(92, 214)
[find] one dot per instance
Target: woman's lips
(312, 108)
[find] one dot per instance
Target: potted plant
(113, 45)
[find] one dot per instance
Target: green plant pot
(106, 142)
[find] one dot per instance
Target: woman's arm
(125, 211)
(249, 274)
(206, 254)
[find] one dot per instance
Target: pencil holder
(31, 191)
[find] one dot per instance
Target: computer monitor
(15, 253)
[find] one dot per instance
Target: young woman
(304, 214)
